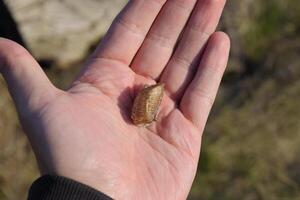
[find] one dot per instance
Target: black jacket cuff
(60, 188)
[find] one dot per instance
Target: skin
(85, 133)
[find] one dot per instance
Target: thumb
(27, 83)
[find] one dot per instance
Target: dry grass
(17, 165)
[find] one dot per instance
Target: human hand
(85, 133)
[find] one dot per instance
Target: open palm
(86, 133)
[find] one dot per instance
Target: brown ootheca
(146, 104)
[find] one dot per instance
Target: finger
(27, 83)
(128, 30)
(182, 67)
(158, 46)
(200, 95)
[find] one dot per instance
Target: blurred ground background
(252, 141)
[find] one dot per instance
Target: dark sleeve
(60, 188)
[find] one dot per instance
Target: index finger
(129, 30)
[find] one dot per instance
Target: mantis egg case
(146, 104)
